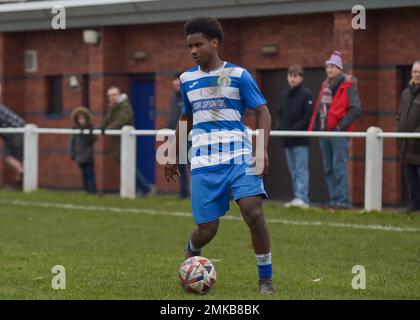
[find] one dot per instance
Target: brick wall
(372, 55)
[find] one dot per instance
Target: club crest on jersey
(224, 81)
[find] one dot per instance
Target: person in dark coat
(13, 142)
(82, 148)
(408, 120)
(294, 114)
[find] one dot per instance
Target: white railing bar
(62, 131)
(12, 130)
(279, 133)
(145, 132)
(273, 133)
(76, 131)
(412, 135)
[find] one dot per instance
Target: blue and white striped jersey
(217, 100)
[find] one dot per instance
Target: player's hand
(266, 163)
(171, 171)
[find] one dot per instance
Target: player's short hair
(209, 27)
(296, 69)
(416, 62)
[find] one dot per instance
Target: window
(31, 61)
(55, 95)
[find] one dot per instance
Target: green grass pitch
(131, 249)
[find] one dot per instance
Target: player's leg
(209, 201)
(252, 213)
(202, 234)
(251, 210)
(248, 192)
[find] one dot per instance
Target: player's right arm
(171, 168)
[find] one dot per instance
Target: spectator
(408, 120)
(175, 112)
(13, 143)
(120, 114)
(82, 147)
(337, 108)
(294, 114)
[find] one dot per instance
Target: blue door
(143, 102)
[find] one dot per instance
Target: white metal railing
(373, 162)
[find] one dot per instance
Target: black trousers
(88, 176)
(412, 180)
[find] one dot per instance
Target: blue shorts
(210, 194)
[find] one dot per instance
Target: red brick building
(142, 43)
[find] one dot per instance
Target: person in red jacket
(336, 109)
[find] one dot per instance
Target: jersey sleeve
(251, 95)
(186, 105)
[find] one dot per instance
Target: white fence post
(128, 163)
(373, 169)
(30, 158)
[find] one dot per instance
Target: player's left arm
(254, 100)
(263, 122)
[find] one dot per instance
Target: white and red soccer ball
(197, 275)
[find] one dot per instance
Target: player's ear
(214, 43)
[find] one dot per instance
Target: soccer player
(215, 95)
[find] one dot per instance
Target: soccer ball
(197, 275)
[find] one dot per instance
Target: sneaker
(298, 203)
(189, 253)
(266, 286)
(152, 190)
(288, 204)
